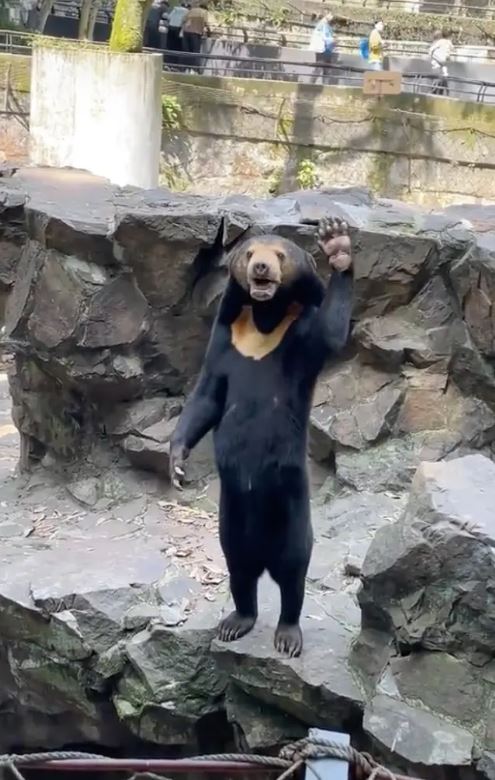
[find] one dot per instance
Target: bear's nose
(261, 269)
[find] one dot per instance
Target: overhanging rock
(428, 583)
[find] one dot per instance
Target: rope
(290, 759)
(14, 760)
(22, 759)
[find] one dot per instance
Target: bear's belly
(260, 436)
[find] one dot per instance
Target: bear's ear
(236, 262)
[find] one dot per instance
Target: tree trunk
(128, 25)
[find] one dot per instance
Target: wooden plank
(382, 82)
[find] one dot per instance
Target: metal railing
(333, 73)
(417, 83)
(16, 42)
(348, 43)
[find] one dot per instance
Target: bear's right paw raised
(234, 626)
(335, 242)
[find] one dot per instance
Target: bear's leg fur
(244, 565)
(288, 569)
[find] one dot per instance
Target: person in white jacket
(440, 53)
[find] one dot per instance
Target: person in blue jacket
(323, 39)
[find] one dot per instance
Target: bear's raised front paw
(234, 626)
(288, 640)
(335, 242)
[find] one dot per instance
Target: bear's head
(269, 266)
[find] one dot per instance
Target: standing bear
(275, 328)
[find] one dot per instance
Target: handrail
(257, 67)
(346, 72)
(346, 43)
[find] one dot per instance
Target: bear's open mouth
(262, 289)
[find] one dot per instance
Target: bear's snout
(261, 269)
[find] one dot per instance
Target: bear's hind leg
(244, 567)
(244, 589)
(289, 571)
(288, 635)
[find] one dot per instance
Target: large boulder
(427, 585)
(429, 577)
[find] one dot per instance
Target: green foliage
(171, 112)
(171, 176)
(275, 181)
(307, 177)
(278, 16)
(229, 17)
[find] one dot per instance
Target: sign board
(382, 82)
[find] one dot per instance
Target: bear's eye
(249, 254)
(281, 256)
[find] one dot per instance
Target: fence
(332, 74)
(478, 91)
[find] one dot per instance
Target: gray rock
(486, 765)
(136, 416)
(344, 529)
(140, 615)
(428, 578)
(161, 245)
(171, 682)
(58, 609)
(148, 453)
(417, 735)
(354, 407)
(258, 725)
(85, 491)
(443, 684)
(390, 465)
(129, 310)
(473, 278)
(317, 686)
(86, 236)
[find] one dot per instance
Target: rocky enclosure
(109, 300)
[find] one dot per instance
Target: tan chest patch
(251, 342)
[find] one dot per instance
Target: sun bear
(275, 327)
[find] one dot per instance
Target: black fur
(259, 410)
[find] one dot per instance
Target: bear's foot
(234, 626)
(288, 640)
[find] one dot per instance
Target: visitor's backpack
(364, 48)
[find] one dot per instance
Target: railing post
(329, 768)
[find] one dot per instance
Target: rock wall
(103, 640)
(113, 302)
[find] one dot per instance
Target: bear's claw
(234, 626)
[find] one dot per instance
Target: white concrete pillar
(97, 110)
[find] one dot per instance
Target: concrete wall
(98, 111)
(251, 136)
